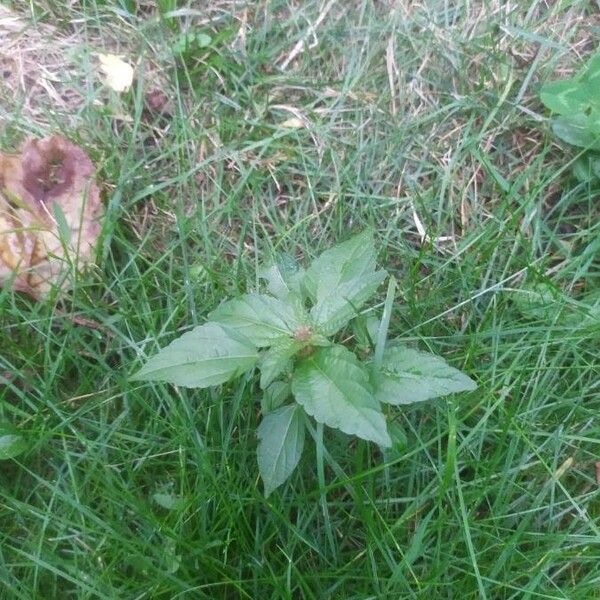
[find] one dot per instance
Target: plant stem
(385, 322)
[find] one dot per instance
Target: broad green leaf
(170, 559)
(565, 97)
(595, 163)
(281, 441)
(586, 313)
(334, 388)
(539, 301)
(346, 261)
(341, 279)
(208, 355)
(591, 90)
(261, 318)
(274, 396)
(168, 500)
(319, 340)
(191, 41)
(284, 278)
(12, 442)
(593, 123)
(582, 170)
(544, 302)
(587, 167)
(408, 376)
(591, 72)
(580, 94)
(577, 130)
(332, 313)
(203, 40)
(277, 359)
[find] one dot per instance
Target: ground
(421, 120)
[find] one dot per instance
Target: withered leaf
(118, 74)
(49, 211)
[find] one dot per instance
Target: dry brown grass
(51, 76)
(38, 69)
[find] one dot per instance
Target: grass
(423, 122)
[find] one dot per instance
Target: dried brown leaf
(49, 211)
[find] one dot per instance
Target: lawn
(296, 125)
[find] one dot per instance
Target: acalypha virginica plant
(291, 332)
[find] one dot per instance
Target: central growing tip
(303, 333)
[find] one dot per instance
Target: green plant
(290, 334)
(12, 443)
(576, 105)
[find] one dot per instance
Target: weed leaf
(408, 376)
(565, 97)
(334, 388)
(341, 280)
(274, 396)
(276, 360)
(261, 318)
(284, 280)
(208, 355)
(540, 301)
(281, 441)
(168, 500)
(12, 443)
(579, 130)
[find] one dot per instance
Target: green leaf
(408, 376)
(277, 359)
(595, 164)
(341, 279)
(274, 396)
(332, 313)
(334, 388)
(202, 40)
(579, 95)
(168, 500)
(587, 168)
(281, 434)
(12, 442)
(262, 319)
(565, 97)
(208, 355)
(578, 130)
(346, 261)
(284, 278)
(591, 72)
(539, 301)
(190, 41)
(586, 314)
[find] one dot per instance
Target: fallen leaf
(49, 211)
(293, 123)
(118, 74)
